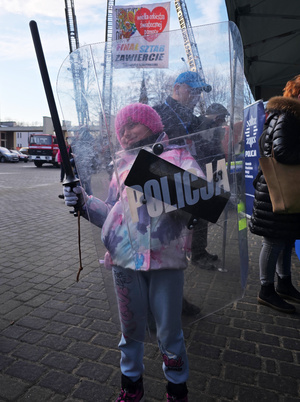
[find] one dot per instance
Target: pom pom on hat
(139, 113)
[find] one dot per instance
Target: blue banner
(297, 248)
(254, 118)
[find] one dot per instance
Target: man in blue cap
(177, 110)
(179, 120)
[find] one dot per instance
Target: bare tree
(160, 85)
(248, 96)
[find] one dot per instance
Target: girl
(147, 257)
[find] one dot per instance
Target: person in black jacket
(179, 120)
(281, 135)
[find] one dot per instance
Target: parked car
(7, 156)
(22, 157)
(24, 150)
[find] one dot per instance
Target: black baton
(70, 179)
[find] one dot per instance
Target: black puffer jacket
(282, 133)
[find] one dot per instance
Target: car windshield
(41, 140)
(5, 150)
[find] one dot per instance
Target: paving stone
(104, 315)
(56, 328)
(11, 388)
(26, 371)
(30, 352)
(28, 295)
(105, 327)
(290, 370)
(39, 278)
(229, 332)
(261, 338)
(33, 322)
(205, 351)
(91, 392)
(60, 361)
(58, 340)
(86, 323)
(222, 389)
(59, 382)
(42, 312)
(243, 346)
(80, 334)
(94, 371)
(250, 394)
(66, 318)
(80, 310)
(5, 294)
(5, 361)
(278, 330)
(38, 300)
(42, 286)
(14, 331)
(39, 394)
(10, 305)
(87, 351)
(55, 342)
(210, 339)
(18, 313)
(205, 366)
(279, 384)
(108, 342)
(292, 344)
(275, 353)
(32, 337)
(112, 357)
(242, 359)
(235, 374)
(270, 366)
(244, 324)
(7, 345)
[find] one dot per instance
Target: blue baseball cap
(193, 80)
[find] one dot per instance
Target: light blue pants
(161, 291)
(275, 256)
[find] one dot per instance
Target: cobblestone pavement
(57, 341)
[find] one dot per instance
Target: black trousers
(199, 239)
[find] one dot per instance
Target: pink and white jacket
(151, 242)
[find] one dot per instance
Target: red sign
(151, 23)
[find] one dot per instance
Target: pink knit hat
(138, 113)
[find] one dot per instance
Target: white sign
(140, 36)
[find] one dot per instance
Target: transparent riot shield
(161, 199)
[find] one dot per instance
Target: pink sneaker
(131, 391)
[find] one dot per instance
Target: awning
(270, 31)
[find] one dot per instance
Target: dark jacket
(180, 121)
(282, 133)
